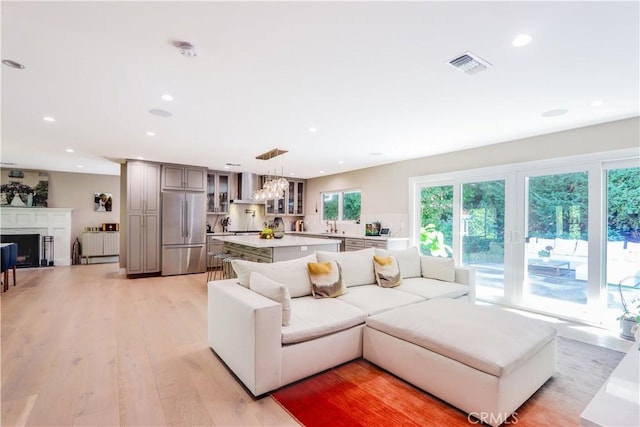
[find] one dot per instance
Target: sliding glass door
(622, 269)
(482, 235)
(559, 237)
(556, 245)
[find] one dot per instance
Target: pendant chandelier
(274, 185)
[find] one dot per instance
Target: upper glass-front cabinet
(218, 186)
(292, 202)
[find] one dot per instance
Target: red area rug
(361, 394)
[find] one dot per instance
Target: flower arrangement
(546, 252)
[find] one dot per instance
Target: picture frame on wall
(103, 202)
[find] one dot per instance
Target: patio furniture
(549, 267)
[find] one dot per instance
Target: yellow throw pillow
(387, 271)
(326, 279)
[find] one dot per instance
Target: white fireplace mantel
(54, 222)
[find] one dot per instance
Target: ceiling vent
(469, 62)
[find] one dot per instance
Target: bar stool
(227, 269)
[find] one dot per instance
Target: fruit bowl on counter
(266, 233)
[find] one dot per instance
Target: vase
(278, 228)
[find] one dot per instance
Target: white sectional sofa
(245, 328)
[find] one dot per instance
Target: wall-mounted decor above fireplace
(24, 188)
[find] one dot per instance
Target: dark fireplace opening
(28, 248)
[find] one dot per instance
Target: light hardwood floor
(84, 345)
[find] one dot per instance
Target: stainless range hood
(247, 184)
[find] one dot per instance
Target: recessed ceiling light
(149, 133)
(555, 112)
(340, 162)
(160, 113)
(80, 166)
(140, 158)
(13, 64)
(48, 119)
(321, 171)
(376, 153)
(226, 166)
(312, 129)
(521, 40)
(69, 150)
(167, 97)
(186, 48)
(597, 103)
(291, 173)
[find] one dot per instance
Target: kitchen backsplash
(397, 223)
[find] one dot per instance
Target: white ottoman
(482, 360)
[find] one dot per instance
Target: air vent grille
(469, 63)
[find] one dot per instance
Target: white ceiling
(371, 77)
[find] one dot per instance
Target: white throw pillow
(408, 260)
(292, 273)
(357, 266)
(274, 291)
(438, 268)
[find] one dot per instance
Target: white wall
(385, 189)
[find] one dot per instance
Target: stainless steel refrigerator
(183, 232)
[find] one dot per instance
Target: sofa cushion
(564, 247)
(408, 260)
(387, 272)
(374, 299)
(292, 273)
(489, 339)
(312, 318)
(274, 291)
(582, 248)
(432, 288)
(438, 268)
(326, 279)
(357, 266)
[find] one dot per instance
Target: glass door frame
(595, 230)
(516, 198)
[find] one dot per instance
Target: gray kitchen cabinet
(179, 177)
(249, 253)
(353, 244)
(100, 244)
(214, 245)
(143, 218)
(382, 244)
(218, 191)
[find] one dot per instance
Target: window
(341, 206)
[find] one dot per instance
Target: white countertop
(340, 235)
(255, 241)
(617, 403)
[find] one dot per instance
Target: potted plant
(630, 318)
(545, 253)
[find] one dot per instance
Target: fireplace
(28, 248)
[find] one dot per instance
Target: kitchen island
(253, 248)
